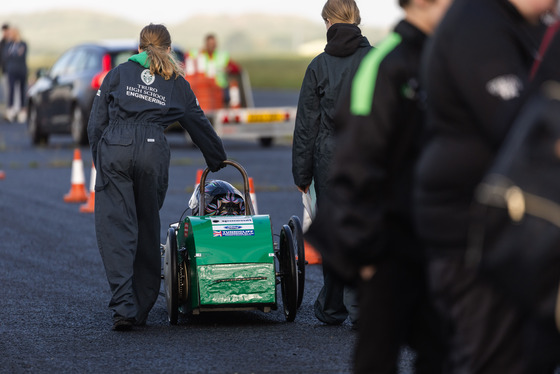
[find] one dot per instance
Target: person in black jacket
(366, 231)
(3, 77)
(136, 102)
(542, 90)
(14, 58)
(327, 76)
(476, 71)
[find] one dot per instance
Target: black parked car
(61, 99)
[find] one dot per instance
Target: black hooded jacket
(326, 78)
(369, 214)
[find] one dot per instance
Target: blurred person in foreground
(545, 69)
(326, 78)
(137, 101)
(364, 228)
(14, 57)
(476, 70)
(542, 91)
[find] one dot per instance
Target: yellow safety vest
(214, 66)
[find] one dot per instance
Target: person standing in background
(3, 78)
(476, 70)
(314, 143)
(215, 63)
(14, 56)
(364, 228)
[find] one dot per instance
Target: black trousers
(485, 332)
(395, 311)
(17, 80)
(132, 177)
(336, 301)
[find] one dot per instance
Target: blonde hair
(341, 11)
(156, 41)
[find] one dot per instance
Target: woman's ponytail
(156, 41)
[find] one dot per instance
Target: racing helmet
(221, 199)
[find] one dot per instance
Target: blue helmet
(221, 199)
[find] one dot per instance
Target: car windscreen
(123, 56)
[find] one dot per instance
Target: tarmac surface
(54, 294)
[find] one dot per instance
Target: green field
(281, 73)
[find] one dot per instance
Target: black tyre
(266, 142)
(78, 127)
(288, 284)
(34, 127)
(299, 249)
(170, 276)
(183, 283)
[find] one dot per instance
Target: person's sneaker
(22, 116)
(122, 324)
(10, 115)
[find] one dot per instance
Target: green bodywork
(229, 260)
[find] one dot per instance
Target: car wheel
(266, 142)
(78, 127)
(288, 282)
(170, 276)
(34, 127)
(297, 233)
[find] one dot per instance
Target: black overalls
(131, 156)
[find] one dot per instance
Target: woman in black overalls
(136, 102)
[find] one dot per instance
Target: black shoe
(122, 324)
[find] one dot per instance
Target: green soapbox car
(231, 262)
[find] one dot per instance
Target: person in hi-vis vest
(215, 63)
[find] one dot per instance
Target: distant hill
(53, 32)
(50, 33)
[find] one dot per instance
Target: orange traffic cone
(190, 67)
(234, 95)
(312, 256)
(89, 206)
(198, 177)
(77, 193)
(253, 195)
(2, 174)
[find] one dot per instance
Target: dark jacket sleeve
(306, 129)
(99, 116)
(202, 133)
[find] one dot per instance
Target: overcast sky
(373, 12)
